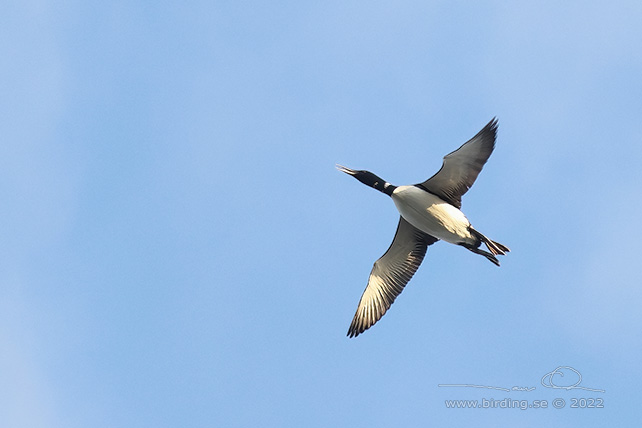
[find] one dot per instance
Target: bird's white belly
(432, 215)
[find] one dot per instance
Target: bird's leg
(489, 256)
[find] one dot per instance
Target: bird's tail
(494, 247)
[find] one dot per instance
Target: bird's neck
(388, 188)
(382, 185)
(374, 181)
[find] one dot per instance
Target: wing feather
(389, 275)
(461, 167)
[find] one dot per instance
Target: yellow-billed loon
(430, 211)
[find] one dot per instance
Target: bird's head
(369, 179)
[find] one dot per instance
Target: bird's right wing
(461, 167)
(390, 274)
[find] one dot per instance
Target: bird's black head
(369, 179)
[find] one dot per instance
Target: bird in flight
(429, 211)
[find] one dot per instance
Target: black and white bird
(430, 211)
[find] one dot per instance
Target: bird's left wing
(390, 274)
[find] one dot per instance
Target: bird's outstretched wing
(390, 274)
(461, 167)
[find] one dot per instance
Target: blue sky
(177, 248)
